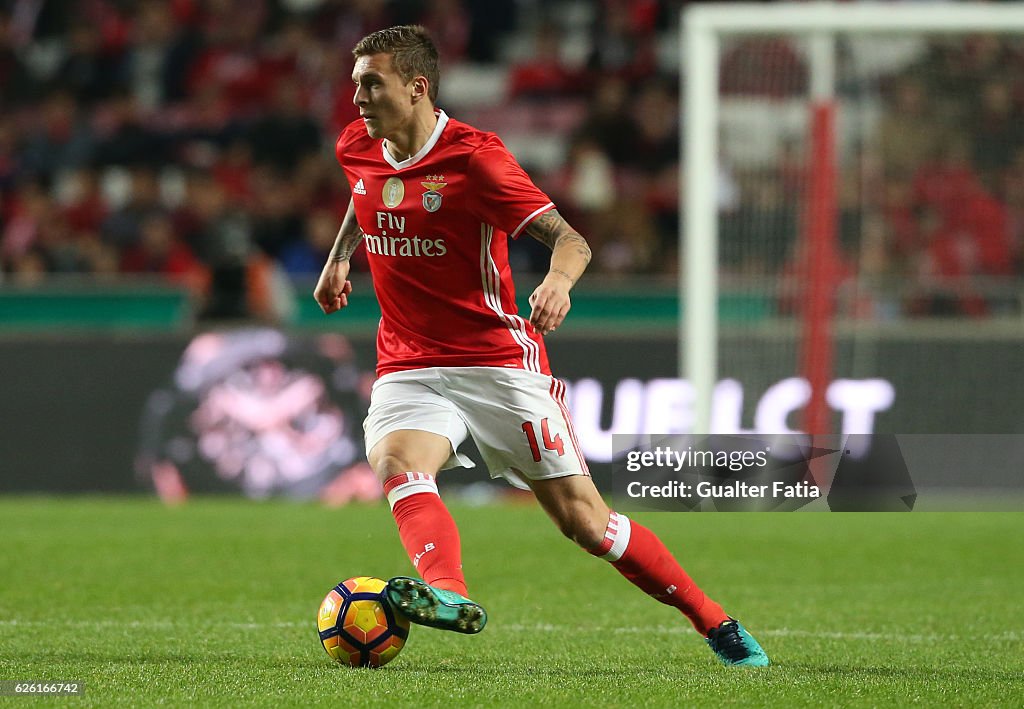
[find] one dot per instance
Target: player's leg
(575, 505)
(520, 422)
(407, 461)
(580, 512)
(539, 446)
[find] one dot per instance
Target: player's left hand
(550, 303)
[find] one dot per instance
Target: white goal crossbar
(702, 28)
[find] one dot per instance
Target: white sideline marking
(1009, 635)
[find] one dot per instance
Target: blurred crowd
(930, 193)
(193, 140)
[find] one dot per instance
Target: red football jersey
(436, 234)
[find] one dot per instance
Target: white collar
(442, 121)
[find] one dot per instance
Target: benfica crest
(432, 197)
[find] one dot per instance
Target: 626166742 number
(10, 688)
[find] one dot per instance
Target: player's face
(384, 100)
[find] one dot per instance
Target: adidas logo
(360, 188)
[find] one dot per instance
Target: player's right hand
(331, 292)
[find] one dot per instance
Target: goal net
(854, 204)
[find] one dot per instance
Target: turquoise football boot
(735, 646)
(435, 607)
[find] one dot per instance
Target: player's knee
(388, 464)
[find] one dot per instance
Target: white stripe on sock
(419, 483)
(619, 536)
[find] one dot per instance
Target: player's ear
(420, 88)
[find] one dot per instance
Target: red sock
(640, 556)
(428, 531)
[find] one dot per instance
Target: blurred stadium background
(168, 193)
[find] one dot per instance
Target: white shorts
(518, 419)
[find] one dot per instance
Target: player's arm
(570, 255)
(332, 289)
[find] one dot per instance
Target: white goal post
(702, 28)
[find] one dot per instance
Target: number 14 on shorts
(551, 444)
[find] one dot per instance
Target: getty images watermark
(853, 472)
(760, 472)
(849, 472)
(690, 462)
(719, 472)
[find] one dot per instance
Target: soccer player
(434, 201)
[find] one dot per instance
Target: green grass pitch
(213, 604)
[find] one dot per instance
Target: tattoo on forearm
(582, 247)
(560, 272)
(551, 230)
(547, 228)
(345, 245)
